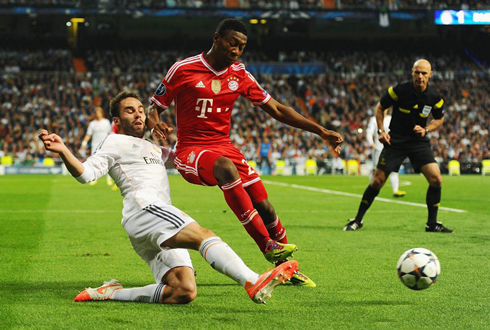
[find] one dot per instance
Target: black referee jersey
(411, 108)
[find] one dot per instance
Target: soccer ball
(418, 268)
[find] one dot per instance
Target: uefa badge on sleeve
(161, 89)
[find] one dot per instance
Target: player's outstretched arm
(290, 117)
(54, 143)
(159, 130)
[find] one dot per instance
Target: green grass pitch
(58, 237)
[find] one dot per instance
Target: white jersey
(372, 131)
(98, 129)
(137, 167)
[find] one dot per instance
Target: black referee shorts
(418, 151)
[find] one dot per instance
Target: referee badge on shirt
(216, 86)
(426, 110)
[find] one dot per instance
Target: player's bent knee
(379, 179)
(206, 233)
(185, 295)
(378, 182)
(436, 181)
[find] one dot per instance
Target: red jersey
(204, 98)
(114, 128)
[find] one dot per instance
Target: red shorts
(196, 163)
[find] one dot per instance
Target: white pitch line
(333, 192)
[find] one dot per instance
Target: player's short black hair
(230, 24)
(114, 104)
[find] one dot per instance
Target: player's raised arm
(159, 130)
(288, 116)
(54, 143)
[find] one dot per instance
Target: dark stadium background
(329, 60)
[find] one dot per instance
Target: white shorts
(152, 226)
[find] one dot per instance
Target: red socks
(240, 203)
(277, 232)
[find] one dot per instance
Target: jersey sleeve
(254, 92)
(90, 129)
(438, 109)
(165, 92)
(108, 126)
(101, 161)
(168, 155)
(370, 130)
(390, 97)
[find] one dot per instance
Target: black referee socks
(433, 201)
(367, 199)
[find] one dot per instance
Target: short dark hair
(230, 24)
(114, 104)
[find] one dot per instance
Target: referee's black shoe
(437, 228)
(353, 225)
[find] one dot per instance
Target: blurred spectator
(265, 152)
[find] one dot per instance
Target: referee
(412, 102)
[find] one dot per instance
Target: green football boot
(278, 252)
(301, 279)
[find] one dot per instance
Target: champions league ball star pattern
(418, 268)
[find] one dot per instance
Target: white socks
(223, 259)
(395, 181)
(149, 294)
(216, 252)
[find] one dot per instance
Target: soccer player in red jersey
(204, 88)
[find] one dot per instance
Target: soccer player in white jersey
(97, 131)
(204, 88)
(373, 140)
(159, 232)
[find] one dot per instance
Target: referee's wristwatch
(426, 131)
(380, 131)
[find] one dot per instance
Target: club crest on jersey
(191, 157)
(216, 86)
(426, 110)
(161, 89)
(233, 83)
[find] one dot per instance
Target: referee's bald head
(422, 63)
(421, 73)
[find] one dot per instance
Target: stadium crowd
(41, 89)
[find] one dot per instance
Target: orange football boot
(262, 289)
(103, 292)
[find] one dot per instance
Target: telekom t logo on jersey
(206, 105)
